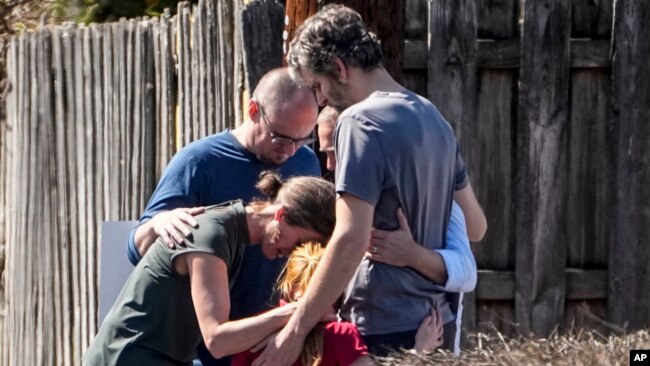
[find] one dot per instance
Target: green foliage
(99, 11)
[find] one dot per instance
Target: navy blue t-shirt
(216, 169)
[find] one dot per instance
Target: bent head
(304, 211)
(326, 123)
(325, 45)
(299, 269)
(284, 112)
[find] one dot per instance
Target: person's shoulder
(207, 148)
(204, 143)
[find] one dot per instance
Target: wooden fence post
(296, 12)
(629, 259)
(261, 31)
(452, 61)
(452, 78)
(541, 176)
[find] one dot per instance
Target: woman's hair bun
(269, 184)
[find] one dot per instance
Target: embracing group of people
(244, 250)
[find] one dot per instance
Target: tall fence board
(629, 264)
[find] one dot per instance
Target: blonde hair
(293, 282)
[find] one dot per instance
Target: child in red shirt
(332, 343)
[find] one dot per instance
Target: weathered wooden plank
(200, 25)
(496, 314)
(469, 314)
(83, 160)
(262, 23)
(184, 72)
(109, 152)
(591, 18)
(147, 182)
(541, 178)
(119, 130)
(69, 49)
(297, 11)
(506, 54)
(386, 19)
(453, 65)
(591, 150)
(415, 27)
(239, 74)
(136, 160)
(629, 284)
(61, 282)
(497, 19)
(498, 54)
(168, 95)
(495, 285)
(225, 15)
(215, 71)
(208, 36)
(416, 81)
(490, 142)
(46, 215)
(580, 284)
(195, 47)
(18, 193)
(31, 203)
(95, 142)
(585, 285)
(131, 133)
(9, 136)
(5, 44)
(590, 53)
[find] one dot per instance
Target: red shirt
(342, 345)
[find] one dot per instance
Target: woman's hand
(429, 334)
(396, 248)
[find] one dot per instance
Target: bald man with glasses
(279, 122)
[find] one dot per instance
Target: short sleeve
(360, 165)
(211, 236)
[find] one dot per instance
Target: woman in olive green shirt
(176, 297)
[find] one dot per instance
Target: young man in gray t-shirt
(393, 149)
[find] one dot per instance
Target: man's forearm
(430, 264)
(144, 237)
(339, 263)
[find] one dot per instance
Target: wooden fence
(90, 126)
(551, 114)
(547, 101)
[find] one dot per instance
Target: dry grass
(582, 348)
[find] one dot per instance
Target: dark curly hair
(335, 31)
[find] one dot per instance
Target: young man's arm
(452, 268)
(474, 216)
(339, 263)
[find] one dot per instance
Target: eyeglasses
(280, 139)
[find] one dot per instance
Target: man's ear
(280, 213)
(342, 69)
(253, 109)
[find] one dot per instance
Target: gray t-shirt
(153, 321)
(395, 149)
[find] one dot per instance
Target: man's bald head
(281, 108)
(277, 89)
